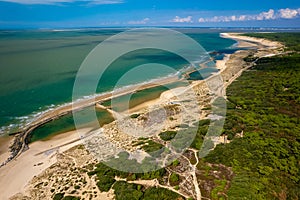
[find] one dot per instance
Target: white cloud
(269, 15)
(144, 21)
(266, 15)
(187, 19)
(64, 1)
(201, 20)
(288, 13)
(242, 18)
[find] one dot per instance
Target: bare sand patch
(41, 154)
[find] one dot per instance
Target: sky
(120, 13)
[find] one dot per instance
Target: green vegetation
(105, 182)
(71, 198)
(184, 126)
(183, 139)
(201, 132)
(77, 187)
(106, 176)
(264, 104)
(250, 58)
(160, 193)
(174, 179)
(204, 122)
(134, 116)
(123, 190)
(158, 174)
(175, 163)
(167, 135)
(291, 40)
(129, 191)
(149, 145)
(58, 196)
(206, 108)
(188, 137)
(153, 148)
(216, 193)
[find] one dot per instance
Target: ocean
(38, 69)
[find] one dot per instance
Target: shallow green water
(66, 123)
(38, 68)
(125, 102)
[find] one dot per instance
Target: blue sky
(97, 13)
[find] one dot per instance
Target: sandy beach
(42, 154)
(5, 143)
(246, 41)
(80, 104)
(39, 156)
(220, 64)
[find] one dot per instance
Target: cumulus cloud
(268, 15)
(64, 1)
(288, 13)
(265, 15)
(187, 19)
(144, 21)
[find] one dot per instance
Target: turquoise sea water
(38, 68)
(66, 123)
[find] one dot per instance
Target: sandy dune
(41, 154)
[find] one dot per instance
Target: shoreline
(246, 41)
(38, 150)
(21, 136)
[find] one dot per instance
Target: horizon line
(162, 26)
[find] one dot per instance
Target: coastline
(40, 156)
(246, 41)
(26, 161)
(21, 136)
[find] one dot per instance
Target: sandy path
(143, 106)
